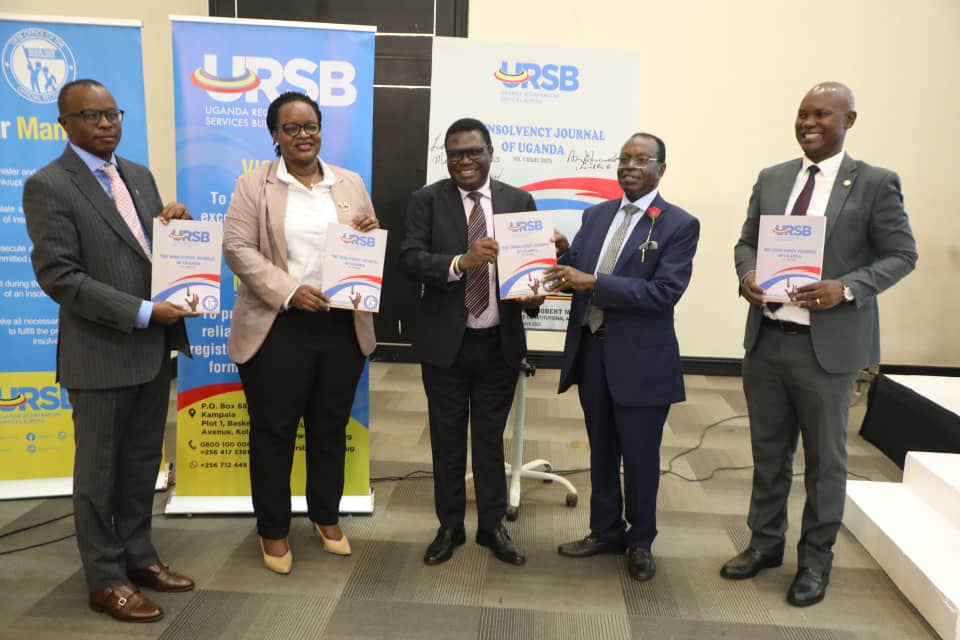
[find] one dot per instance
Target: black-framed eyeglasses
(292, 128)
(626, 161)
(473, 153)
(93, 116)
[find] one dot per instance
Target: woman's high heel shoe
(339, 547)
(278, 564)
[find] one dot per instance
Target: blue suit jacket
(640, 345)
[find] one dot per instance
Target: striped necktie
(595, 314)
(121, 198)
(477, 296)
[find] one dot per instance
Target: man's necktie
(803, 200)
(800, 209)
(595, 314)
(477, 296)
(121, 198)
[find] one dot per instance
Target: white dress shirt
(822, 187)
(309, 212)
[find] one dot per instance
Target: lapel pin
(343, 206)
(847, 182)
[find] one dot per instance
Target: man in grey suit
(801, 359)
(89, 214)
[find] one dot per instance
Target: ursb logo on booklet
(186, 264)
(789, 254)
(525, 251)
(353, 267)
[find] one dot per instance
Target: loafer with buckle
(808, 587)
(125, 603)
(749, 562)
(159, 577)
(503, 547)
(641, 565)
(590, 546)
(446, 540)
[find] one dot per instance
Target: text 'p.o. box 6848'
(525, 251)
(353, 267)
(186, 264)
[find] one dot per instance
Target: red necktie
(803, 200)
(477, 296)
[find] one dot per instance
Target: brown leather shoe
(159, 578)
(125, 603)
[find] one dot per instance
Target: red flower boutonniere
(654, 213)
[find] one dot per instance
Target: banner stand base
(189, 505)
(57, 487)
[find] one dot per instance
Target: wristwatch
(847, 293)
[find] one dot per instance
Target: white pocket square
(649, 244)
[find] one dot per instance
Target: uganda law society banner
(39, 55)
(557, 115)
(226, 73)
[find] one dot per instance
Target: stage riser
(911, 529)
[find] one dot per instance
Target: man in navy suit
(627, 267)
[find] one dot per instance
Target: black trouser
(479, 385)
(308, 367)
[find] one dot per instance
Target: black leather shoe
(441, 549)
(749, 563)
(503, 547)
(641, 565)
(808, 587)
(590, 546)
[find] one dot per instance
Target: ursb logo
(189, 236)
(526, 225)
(329, 82)
(358, 240)
(49, 398)
(546, 77)
(793, 230)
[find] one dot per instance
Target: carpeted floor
(385, 591)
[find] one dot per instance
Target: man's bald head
(824, 116)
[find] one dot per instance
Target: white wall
(721, 84)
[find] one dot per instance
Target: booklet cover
(186, 264)
(525, 251)
(353, 267)
(789, 254)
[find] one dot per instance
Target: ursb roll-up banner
(558, 116)
(39, 55)
(226, 73)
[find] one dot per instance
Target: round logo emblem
(36, 63)
(209, 303)
(371, 301)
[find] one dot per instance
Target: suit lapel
(782, 186)
(345, 212)
(838, 195)
(450, 202)
(91, 190)
(275, 211)
(639, 234)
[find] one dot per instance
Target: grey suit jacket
(869, 246)
(436, 231)
(86, 259)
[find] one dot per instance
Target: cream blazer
(255, 248)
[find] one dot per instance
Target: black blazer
(436, 232)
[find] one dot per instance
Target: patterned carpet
(385, 591)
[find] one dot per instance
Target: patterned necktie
(121, 198)
(803, 200)
(477, 297)
(800, 209)
(595, 314)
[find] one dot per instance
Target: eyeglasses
(92, 116)
(474, 153)
(294, 129)
(625, 161)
